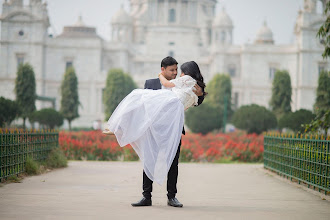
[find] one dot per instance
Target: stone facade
(185, 29)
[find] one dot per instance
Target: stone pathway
(104, 190)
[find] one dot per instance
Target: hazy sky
(247, 16)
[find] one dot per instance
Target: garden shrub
(254, 119)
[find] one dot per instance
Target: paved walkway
(104, 190)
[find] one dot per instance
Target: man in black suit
(170, 70)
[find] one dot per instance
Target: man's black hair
(168, 61)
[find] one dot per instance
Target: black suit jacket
(155, 84)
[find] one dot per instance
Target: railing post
(304, 158)
(17, 145)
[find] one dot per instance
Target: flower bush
(93, 145)
(238, 146)
(218, 147)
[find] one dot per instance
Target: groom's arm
(146, 85)
(152, 84)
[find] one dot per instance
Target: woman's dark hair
(168, 61)
(191, 68)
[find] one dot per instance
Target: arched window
(171, 15)
(209, 36)
(232, 70)
(272, 71)
(20, 59)
(223, 37)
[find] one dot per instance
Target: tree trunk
(24, 123)
(69, 125)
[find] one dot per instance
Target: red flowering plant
(237, 146)
(93, 145)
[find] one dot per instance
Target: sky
(247, 16)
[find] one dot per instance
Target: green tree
(321, 121)
(323, 32)
(25, 90)
(254, 119)
(322, 103)
(70, 97)
(48, 117)
(218, 88)
(203, 119)
(9, 110)
(281, 93)
(295, 120)
(118, 85)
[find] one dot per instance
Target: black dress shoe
(174, 202)
(143, 202)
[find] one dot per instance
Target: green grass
(225, 160)
(56, 159)
(32, 167)
(14, 179)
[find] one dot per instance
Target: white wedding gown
(151, 121)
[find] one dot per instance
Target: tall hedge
(25, 90)
(218, 88)
(70, 96)
(281, 93)
(118, 86)
(322, 103)
(321, 122)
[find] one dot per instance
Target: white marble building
(153, 29)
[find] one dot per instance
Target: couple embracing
(151, 120)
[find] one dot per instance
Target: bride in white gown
(151, 121)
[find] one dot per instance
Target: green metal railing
(16, 146)
(303, 158)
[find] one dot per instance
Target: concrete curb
(301, 186)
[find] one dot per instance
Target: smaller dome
(264, 35)
(222, 20)
(121, 17)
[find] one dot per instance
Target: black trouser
(172, 179)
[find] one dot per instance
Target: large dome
(222, 20)
(80, 30)
(264, 35)
(121, 17)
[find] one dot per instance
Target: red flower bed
(217, 147)
(93, 145)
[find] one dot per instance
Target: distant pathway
(104, 190)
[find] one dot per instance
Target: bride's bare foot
(107, 132)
